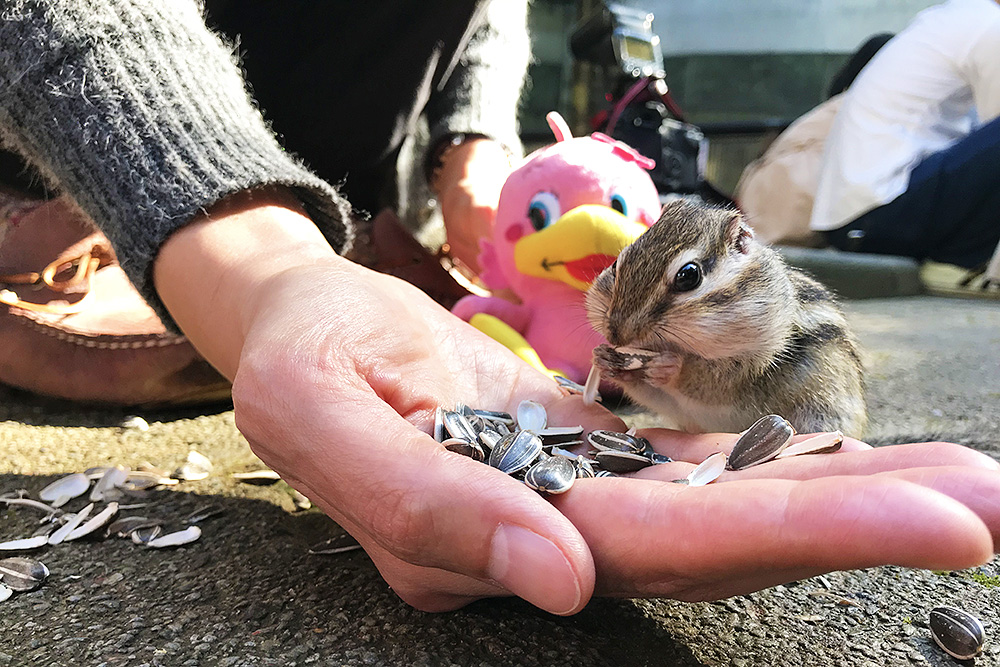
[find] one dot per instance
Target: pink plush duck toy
(563, 216)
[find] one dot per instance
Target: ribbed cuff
(139, 113)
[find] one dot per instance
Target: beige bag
(776, 190)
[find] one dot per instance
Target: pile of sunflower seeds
(531, 450)
(100, 493)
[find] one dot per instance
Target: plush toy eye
(618, 204)
(687, 278)
(543, 210)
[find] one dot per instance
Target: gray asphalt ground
(250, 593)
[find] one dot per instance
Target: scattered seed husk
(73, 522)
(105, 488)
(25, 543)
(134, 423)
(604, 440)
(146, 534)
(64, 489)
(196, 467)
(33, 504)
(125, 526)
(22, 574)
(203, 513)
(96, 472)
(561, 435)
(262, 477)
(958, 633)
(138, 480)
(179, 538)
(5, 593)
(590, 390)
(335, 545)
(98, 521)
(299, 500)
(531, 416)
(496, 416)
(569, 387)
(761, 442)
(708, 470)
(821, 443)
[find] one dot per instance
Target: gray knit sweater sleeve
(139, 113)
(482, 93)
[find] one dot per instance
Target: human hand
(468, 187)
(338, 371)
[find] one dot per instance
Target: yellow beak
(576, 247)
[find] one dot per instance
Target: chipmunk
(711, 329)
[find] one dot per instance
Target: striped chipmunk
(710, 329)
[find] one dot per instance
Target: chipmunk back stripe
(807, 291)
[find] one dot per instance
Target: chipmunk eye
(688, 278)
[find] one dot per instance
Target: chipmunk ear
(738, 233)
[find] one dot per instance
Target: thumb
(432, 508)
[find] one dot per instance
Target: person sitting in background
(910, 165)
(776, 190)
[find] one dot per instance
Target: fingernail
(533, 568)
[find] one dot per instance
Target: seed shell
(73, 522)
(107, 484)
(821, 443)
(25, 543)
(708, 470)
(457, 426)
(99, 521)
(5, 592)
(531, 416)
(590, 390)
(179, 538)
(64, 489)
(604, 440)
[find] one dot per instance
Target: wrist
(212, 273)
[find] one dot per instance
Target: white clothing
(918, 95)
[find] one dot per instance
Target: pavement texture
(250, 593)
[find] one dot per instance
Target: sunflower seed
(64, 489)
(496, 416)
(146, 534)
(179, 538)
(569, 387)
(457, 426)
(202, 513)
(125, 526)
(560, 435)
(516, 451)
(761, 442)
(22, 574)
(299, 500)
(553, 475)
(621, 462)
(958, 633)
(604, 440)
(465, 448)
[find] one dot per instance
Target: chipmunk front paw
(629, 365)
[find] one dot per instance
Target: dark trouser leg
(949, 213)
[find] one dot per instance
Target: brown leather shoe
(73, 326)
